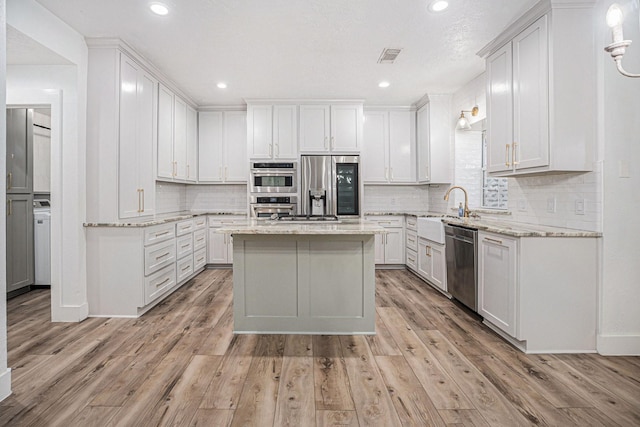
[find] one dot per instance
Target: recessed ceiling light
(383, 84)
(159, 9)
(222, 85)
(438, 5)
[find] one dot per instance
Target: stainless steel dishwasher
(462, 271)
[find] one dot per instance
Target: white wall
(619, 141)
(5, 372)
(69, 300)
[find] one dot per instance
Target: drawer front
(199, 259)
(156, 284)
(184, 245)
(200, 240)
(184, 227)
(387, 221)
(158, 256)
(199, 222)
(412, 222)
(412, 259)
(184, 269)
(220, 220)
(158, 234)
(412, 240)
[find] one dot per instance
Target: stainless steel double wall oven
(273, 189)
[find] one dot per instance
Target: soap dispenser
(460, 210)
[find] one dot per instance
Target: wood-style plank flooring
(430, 364)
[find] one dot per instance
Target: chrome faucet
(466, 199)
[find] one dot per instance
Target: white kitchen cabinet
(121, 135)
(434, 134)
(389, 247)
(534, 295)
(176, 132)
(389, 147)
(272, 131)
(130, 269)
(535, 72)
(222, 142)
(432, 264)
(220, 250)
(331, 128)
(192, 144)
(497, 281)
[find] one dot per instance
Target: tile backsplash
(170, 197)
(221, 198)
(395, 198)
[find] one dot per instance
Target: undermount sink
(431, 228)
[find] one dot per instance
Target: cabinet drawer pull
(515, 162)
(200, 260)
(410, 239)
(164, 233)
(185, 246)
(493, 240)
(412, 259)
(200, 239)
(163, 255)
(506, 163)
(163, 282)
(186, 268)
(9, 181)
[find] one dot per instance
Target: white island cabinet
(304, 278)
(539, 292)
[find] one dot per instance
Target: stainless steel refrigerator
(330, 185)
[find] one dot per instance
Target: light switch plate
(580, 206)
(551, 204)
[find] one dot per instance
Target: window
(494, 190)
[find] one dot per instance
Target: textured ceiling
(301, 48)
(23, 50)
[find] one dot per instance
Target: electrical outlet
(522, 205)
(551, 204)
(580, 206)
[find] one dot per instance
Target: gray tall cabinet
(19, 204)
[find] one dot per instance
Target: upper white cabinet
(176, 125)
(388, 152)
(192, 144)
(331, 128)
(535, 73)
(434, 128)
(272, 131)
(222, 142)
(121, 135)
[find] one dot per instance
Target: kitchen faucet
(466, 199)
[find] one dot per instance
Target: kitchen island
(295, 278)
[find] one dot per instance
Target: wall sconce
(463, 122)
(615, 17)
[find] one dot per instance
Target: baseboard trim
(70, 313)
(618, 345)
(5, 384)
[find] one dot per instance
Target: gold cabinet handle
(159, 257)
(9, 181)
(142, 199)
(9, 207)
(391, 173)
(188, 171)
(506, 163)
(163, 282)
(386, 174)
(493, 240)
(139, 203)
(515, 162)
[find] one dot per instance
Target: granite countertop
(348, 226)
(158, 219)
(519, 229)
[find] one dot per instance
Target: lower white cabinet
(432, 264)
(389, 247)
(539, 292)
(221, 244)
(130, 269)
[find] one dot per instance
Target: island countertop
(345, 226)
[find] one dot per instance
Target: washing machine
(42, 242)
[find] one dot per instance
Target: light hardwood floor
(430, 364)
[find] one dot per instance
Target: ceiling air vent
(389, 55)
